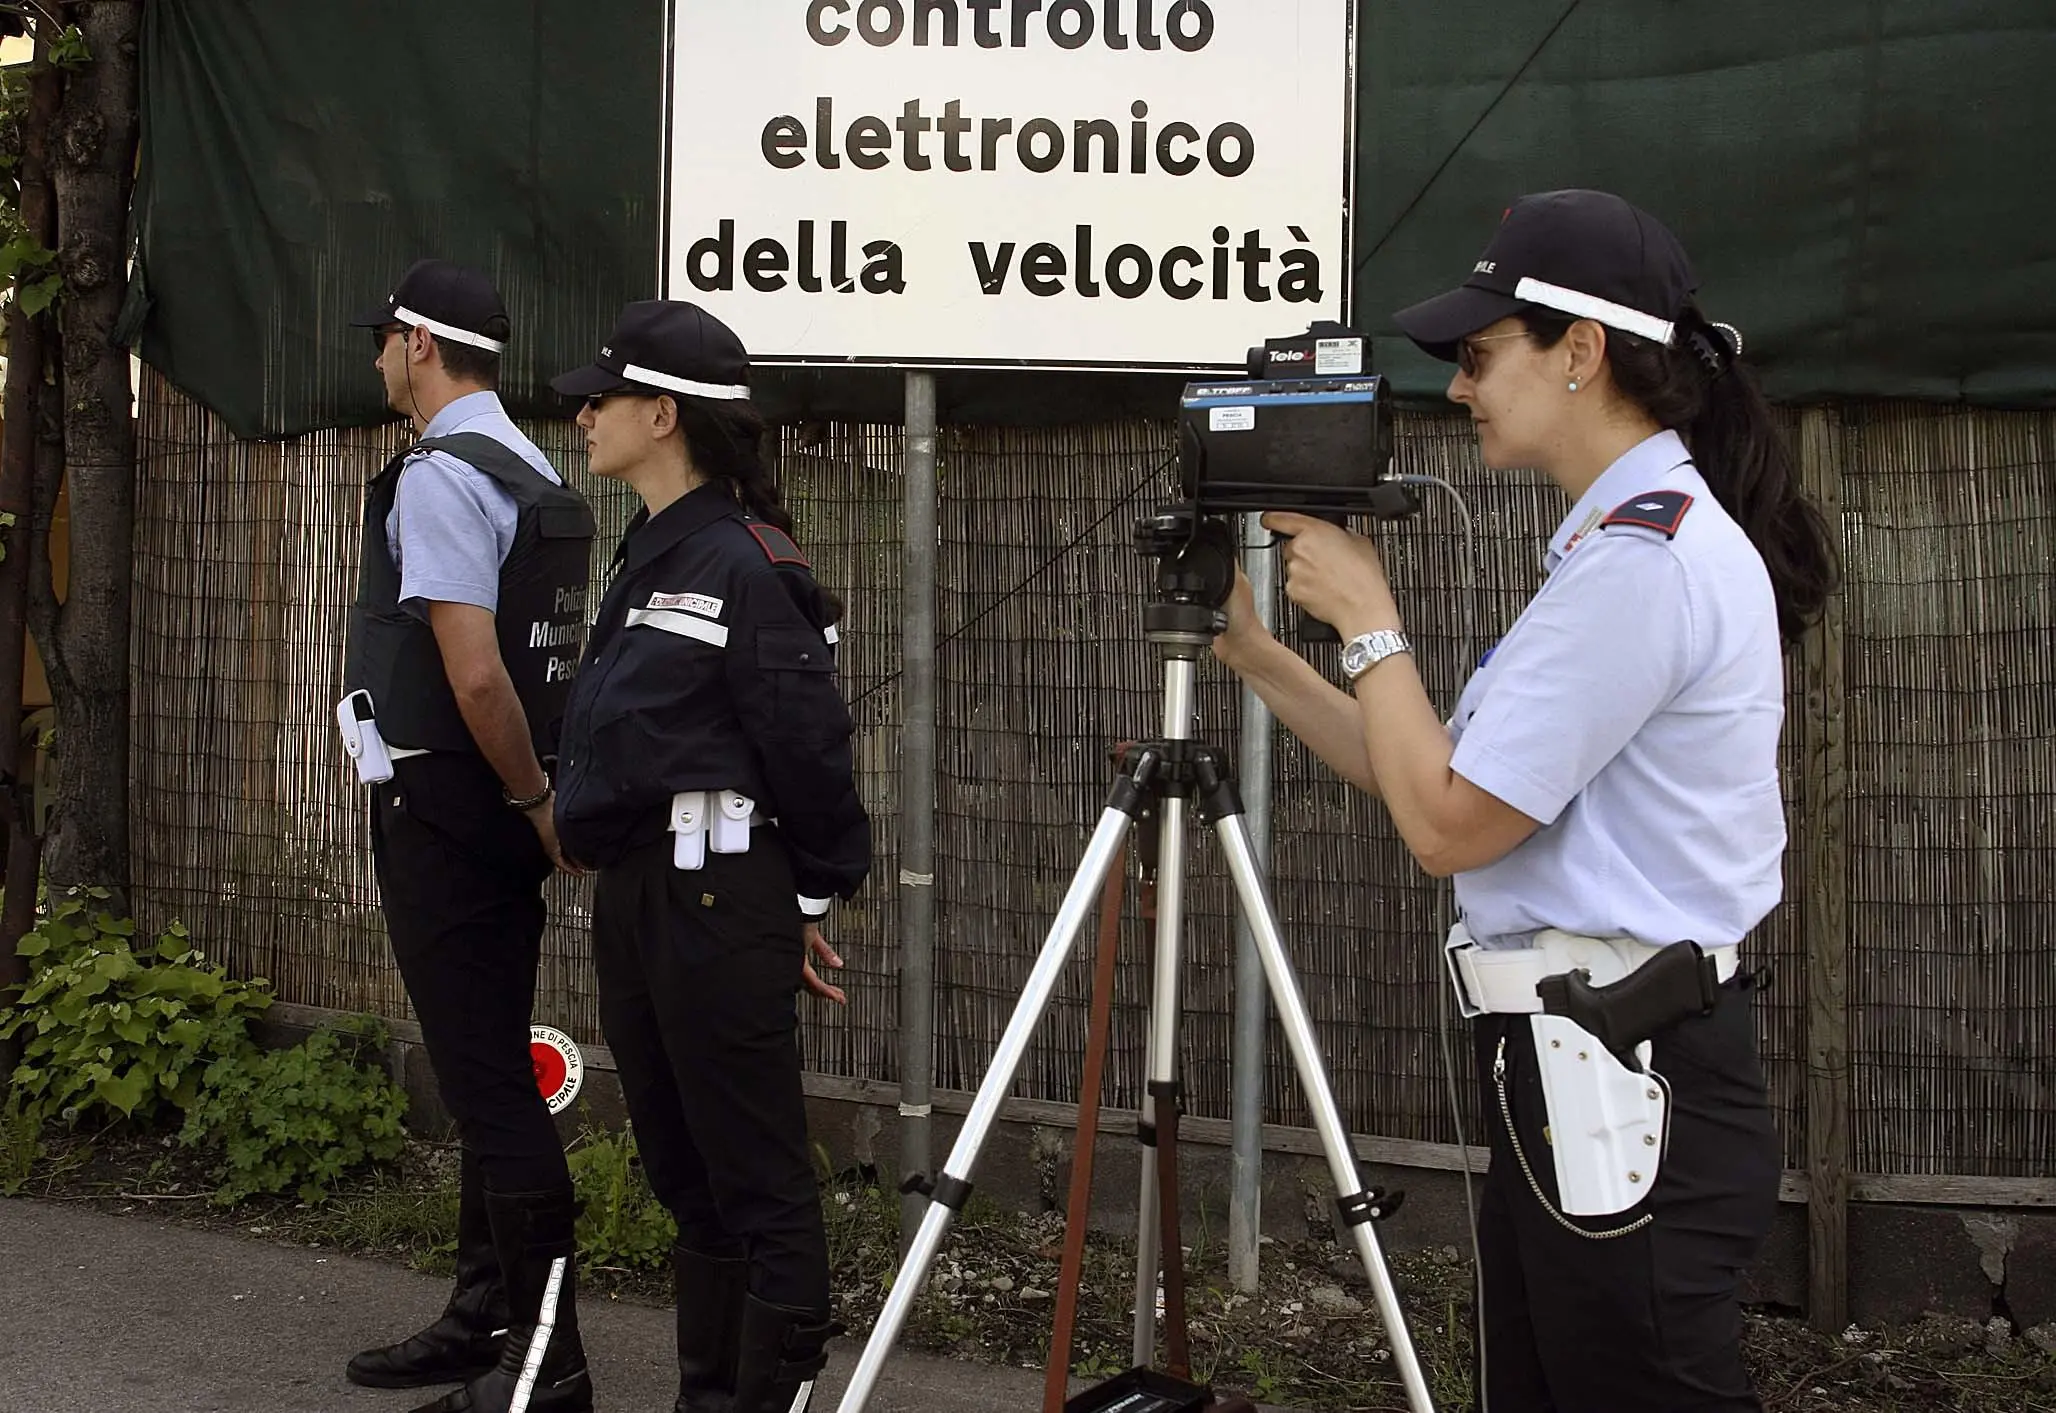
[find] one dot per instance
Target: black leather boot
(465, 1341)
(782, 1350)
(710, 1292)
(542, 1365)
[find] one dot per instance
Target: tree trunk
(93, 150)
(28, 345)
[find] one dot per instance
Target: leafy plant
(301, 1117)
(21, 1145)
(68, 50)
(27, 264)
(620, 1224)
(107, 1029)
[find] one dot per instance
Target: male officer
(465, 635)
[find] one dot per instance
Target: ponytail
(1700, 387)
(727, 445)
(726, 442)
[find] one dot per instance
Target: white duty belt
(1503, 982)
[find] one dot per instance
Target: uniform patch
(1661, 511)
(706, 605)
(776, 544)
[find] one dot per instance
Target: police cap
(450, 301)
(1584, 253)
(665, 346)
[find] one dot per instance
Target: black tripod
(1160, 778)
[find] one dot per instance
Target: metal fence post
(917, 797)
(1252, 999)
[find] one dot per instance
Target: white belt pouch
(361, 739)
(1608, 1123)
(703, 820)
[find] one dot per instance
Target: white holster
(1609, 1123)
(361, 739)
(719, 820)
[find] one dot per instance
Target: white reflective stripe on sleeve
(813, 907)
(727, 392)
(683, 624)
(404, 315)
(1591, 306)
(801, 1399)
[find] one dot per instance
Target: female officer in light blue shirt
(1606, 788)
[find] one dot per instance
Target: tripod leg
(953, 1187)
(1163, 1068)
(1076, 1216)
(1226, 810)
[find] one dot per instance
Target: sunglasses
(1467, 356)
(383, 332)
(592, 401)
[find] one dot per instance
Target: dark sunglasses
(1467, 356)
(593, 400)
(383, 332)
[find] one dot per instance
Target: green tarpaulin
(1864, 187)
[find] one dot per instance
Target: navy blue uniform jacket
(711, 665)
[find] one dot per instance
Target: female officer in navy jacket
(1606, 789)
(706, 774)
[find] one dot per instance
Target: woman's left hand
(819, 950)
(1335, 576)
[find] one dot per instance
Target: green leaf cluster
(114, 1032)
(299, 1118)
(108, 1031)
(26, 263)
(620, 1224)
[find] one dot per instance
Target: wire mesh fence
(249, 826)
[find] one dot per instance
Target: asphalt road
(112, 1314)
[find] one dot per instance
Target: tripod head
(1196, 558)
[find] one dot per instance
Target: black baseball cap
(665, 346)
(1584, 253)
(450, 301)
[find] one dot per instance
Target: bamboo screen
(249, 828)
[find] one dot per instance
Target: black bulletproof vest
(541, 617)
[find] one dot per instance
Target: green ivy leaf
(39, 295)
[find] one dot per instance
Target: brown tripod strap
(1177, 1354)
(1057, 1384)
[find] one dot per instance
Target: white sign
(1052, 183)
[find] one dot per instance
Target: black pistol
(1677, 983)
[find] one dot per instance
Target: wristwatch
(1366, 650)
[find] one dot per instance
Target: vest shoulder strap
(494, 458)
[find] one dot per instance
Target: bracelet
(532, 801)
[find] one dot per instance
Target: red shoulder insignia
(1661, 511)
(776, 544)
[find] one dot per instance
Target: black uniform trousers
(698, 972)
(460, 878)
(1647, 1322)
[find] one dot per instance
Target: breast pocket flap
(794, 650)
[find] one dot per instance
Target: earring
(1574, 386)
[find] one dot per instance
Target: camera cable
(1149, 478)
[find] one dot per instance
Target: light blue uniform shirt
(452, 525)
(1633, 709)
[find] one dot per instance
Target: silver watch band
(1366, 650)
